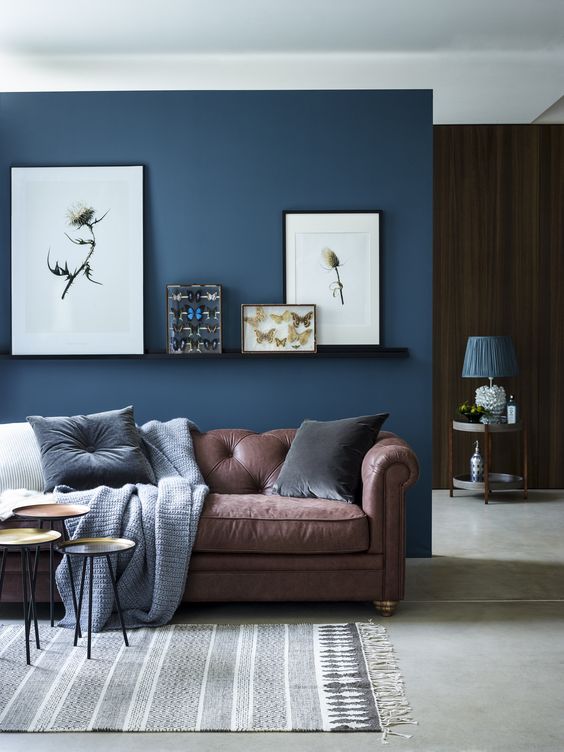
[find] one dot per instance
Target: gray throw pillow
(86, 451)
(325, 458)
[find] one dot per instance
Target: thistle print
(78, 216)
(331, 261)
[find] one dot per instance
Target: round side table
(23, 538)
(49, 515)
(89, 549)
(492, 481)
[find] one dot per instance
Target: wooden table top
(466, 425)
(51, 511)
(95, 546)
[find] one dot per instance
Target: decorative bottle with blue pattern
(476, 465)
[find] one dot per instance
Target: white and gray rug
(265, 677)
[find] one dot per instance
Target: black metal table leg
(33, 570)
(32, 608)
(2, 570)
(89, 651)
(90, 549)
(51, 583)
(116, 597)
(36, 560)
(71, 580)
(25, 606)
(36, 563)
(80, 596)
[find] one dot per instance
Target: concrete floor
(480, 641)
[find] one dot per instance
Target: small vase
(492, 399)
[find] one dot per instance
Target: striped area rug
(262, 677)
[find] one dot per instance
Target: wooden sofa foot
(386, 608)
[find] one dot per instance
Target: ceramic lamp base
(492, 399)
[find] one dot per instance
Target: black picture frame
(204, 336)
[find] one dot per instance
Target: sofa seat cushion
(257, 523)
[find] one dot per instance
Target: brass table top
(51, 512)
(95, 546)
(20, 537)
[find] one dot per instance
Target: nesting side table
(50, 514)
(492, 481)
(24, 539)
(89, 549)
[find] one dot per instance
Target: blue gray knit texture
(162, 519)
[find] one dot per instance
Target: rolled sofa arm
(388, 469)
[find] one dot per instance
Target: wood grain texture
(499, 269)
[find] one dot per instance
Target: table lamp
(490, 357)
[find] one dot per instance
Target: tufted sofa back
(235, 460)
(239, 461)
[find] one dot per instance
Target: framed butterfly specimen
(276, 328)
(333, 259)
(194, 319)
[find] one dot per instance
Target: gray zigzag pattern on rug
(349, 698)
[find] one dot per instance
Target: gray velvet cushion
(86, 451)
(325, 458)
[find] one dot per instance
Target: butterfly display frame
(194, 319)
(278, 328)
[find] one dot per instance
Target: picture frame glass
(333, 260)
(278, 328)
(77, 260)
(194, 319)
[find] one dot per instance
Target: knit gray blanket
(161, 519)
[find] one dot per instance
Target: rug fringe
(386, 679)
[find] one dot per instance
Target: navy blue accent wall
(219, 169)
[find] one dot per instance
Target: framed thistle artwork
(77, 260)
(194, 319)
(278, 329)
(333, 259)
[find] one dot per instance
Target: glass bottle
(512, 411)
(476, 465)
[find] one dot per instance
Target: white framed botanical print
(332, 259)
(77, 260)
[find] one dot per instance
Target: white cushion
(20, 459)
(18, 497)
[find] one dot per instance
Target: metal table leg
(25, 605)
(80, 596)
(51, 583)
(71, 580)
(33, 572)
(2, 570)
(118, 604)
(32, 609)
(89, 651)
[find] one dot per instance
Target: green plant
(471, 411)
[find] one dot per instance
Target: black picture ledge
(323, 351)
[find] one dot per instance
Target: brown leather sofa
(254, 546)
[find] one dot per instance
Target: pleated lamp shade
(490, 357)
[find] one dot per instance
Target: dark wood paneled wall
(499, 269)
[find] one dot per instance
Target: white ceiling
(487, 60)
